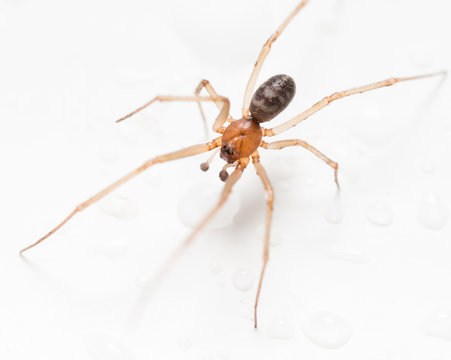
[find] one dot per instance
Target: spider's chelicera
(240, 140)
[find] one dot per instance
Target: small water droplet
(105, 347)
(281, 328)
(184, 343)
(215, 266)
(380, 214)
(118, 207)
(243, 278)
(355, 256)
(328, 330)
(439, 325)
(433, 214)
(334, 213)
(199, 199)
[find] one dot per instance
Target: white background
(69, 69)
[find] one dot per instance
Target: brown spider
(240, 140)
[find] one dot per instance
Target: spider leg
(231, 180)
(206, 84)
(262, 56)
(189, 151)
(220, 119)
(154, 282)
(277, 145)
(339, 95)
(269, 209)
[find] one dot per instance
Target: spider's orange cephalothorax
(240, 139)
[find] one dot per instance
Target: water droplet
(184, 343)
(215, 266)
(433, 214)
(355, 256)
(243, 278)
(199, 200)
(118, 207)
(328, 330)
(105, 347)
(380, 214)
(281, 328)
(334, 213)
(438, 325)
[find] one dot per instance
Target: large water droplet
(119, 207)
(281, 328)
(433, 214)
(380, 214)
(438, 325)
(243, 278)
(200, 199)
(105, 347)
(328, 330)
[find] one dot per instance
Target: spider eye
(227, 150)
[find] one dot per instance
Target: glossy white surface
(69, 69)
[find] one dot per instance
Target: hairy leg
(189, 151)
(220, 119)
(339, 95)
(211, 91)
(269, 209)
(277, 145)
(262, 56)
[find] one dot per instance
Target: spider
(240, 139)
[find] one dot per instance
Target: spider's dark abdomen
(272, 97)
